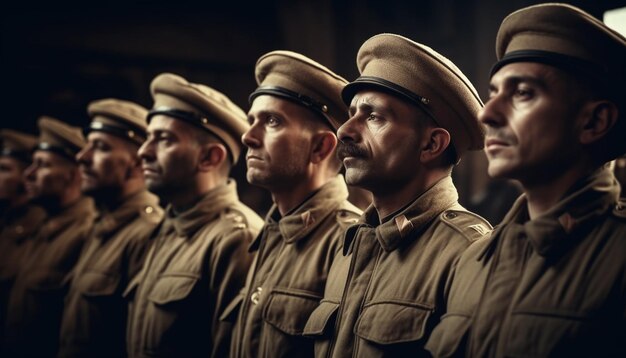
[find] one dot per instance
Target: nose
(491, 114)
(146, 151)
(29, 172)
(251, 137)
(85, 155)
(348, 131)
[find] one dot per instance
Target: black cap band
(136, 135)
(22, 155)
(62, 151)
(565, 62)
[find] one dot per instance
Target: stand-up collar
(82, 209)
(110, 222)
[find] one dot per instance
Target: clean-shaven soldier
(551, 280)
(291, 144)
(36, 300)
(412, 117)
(95, 313)
(199, 259)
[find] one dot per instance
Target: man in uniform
(291, 152)
(199, 259)
(36, 299)
(19, 219)
(412, 116)
(551, 279)
(95, 314)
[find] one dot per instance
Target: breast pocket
(322, 320)
(172, 288)
(387, 323)
(45, 281)
(97, 284)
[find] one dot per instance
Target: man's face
(530, 123)
(169, 156)
(380, 142)
(11, 179)
(105, 163)
(48, 177)
(278, 141)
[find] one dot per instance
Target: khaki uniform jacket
(286, 283)
(196, 266)
(16, 234)
(95, 314)
(385, 297)
(553, 286)
(36, 300)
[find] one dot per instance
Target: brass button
(256, 296)
(149, 209)
(19, 229)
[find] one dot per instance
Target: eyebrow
(373, 105)
(515, 80)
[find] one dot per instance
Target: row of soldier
(415, 274)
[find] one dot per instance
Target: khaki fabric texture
(549, 287)
(442, 88)
(36, 300)
(286, 282)
(15, 141)
(95, 313)
(60, 134)
(130, 119)
(383, 298)
(16, 230)
(194, 269)
(304, 76)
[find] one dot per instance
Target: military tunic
(286, 283)
(195, 267)
(36, 300)
(95, 314)
(18, 227)
(552, 286)
(384, 298)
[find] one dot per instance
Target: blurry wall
(58, 57)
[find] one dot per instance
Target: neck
(116, 198)
(389, 201)
(184, 199)
(288, 199)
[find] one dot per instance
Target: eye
(523, 93)
(371, 117)
(272, 121)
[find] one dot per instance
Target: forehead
(528, 70)
(10, 161)
(106, 137)
(274, 104)
(168, 124)
(374, 97)
(50, 157)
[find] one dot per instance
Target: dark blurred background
(57, 57)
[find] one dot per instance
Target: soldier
(36, 300)
(94, 318)
(412, 116)
(20, 219)
(199, 259)
(551, 279)
(291, 152)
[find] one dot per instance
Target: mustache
(350, 150)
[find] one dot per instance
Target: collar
(205, 210)
(407, 223)
(23, 222)
(82, 209)
(309, 215)
(564, 224)
(109, 223)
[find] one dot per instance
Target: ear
(323, 144)
(598, 119)
(434, 143)
(212, 155)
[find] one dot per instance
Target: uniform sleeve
(229, 264)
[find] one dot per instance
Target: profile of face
(169, 156)
(49, 176)
(380, 143)
(530, 122)
(11, 180)
(279, 142)
(106, 163)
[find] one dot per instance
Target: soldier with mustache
(412, 117)
(550, 281)
(95, 313)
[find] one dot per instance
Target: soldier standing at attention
(36, 300)
(199, 259)
(551, 280)
(19, 219)
(412, 117)
(95, 314)
(291, 152)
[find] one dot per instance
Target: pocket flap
(321, 318)
(232, 310)
(45, 280)
(172, 287)
(392, 322)
(129, 292)
(289, 310)
(92, 284)
(448, 335)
